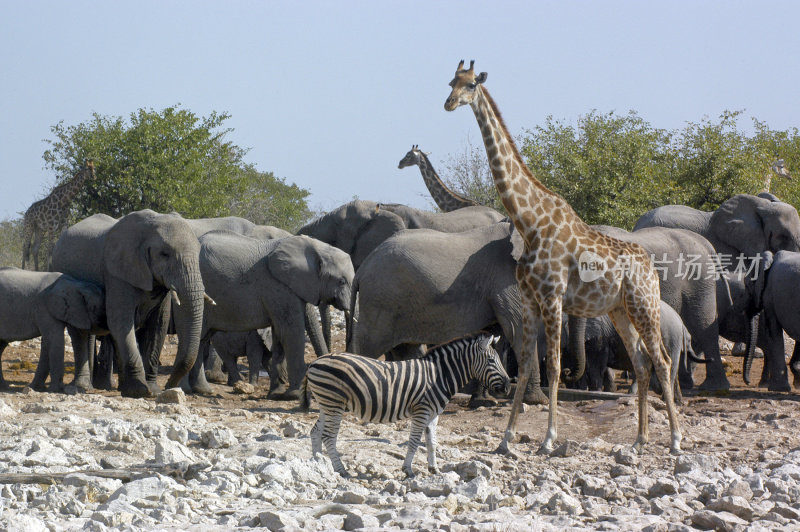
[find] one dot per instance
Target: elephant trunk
(751, 339)
(325, 320)
(188, 324)
(577, 348)
(316, 332)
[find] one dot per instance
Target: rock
(178, 434)
(621, 470)
(625, 456)
(276, 520)
(243, 388)
(25, 523)
(469, 470)
(663, 486)
(786, 511)
(477, 489)
(734, 504)
(739, 488)
(351, 497)
(566, 449)
(702, 462)
(437, 485)
(173, 396)
(756, 483)
(218, 438)
(356, 521)
(787, 472)
(111, 462)
(152, 488)
(169, 452)
(720, 521)
(6, 411)
(293, 429)
(564, 503)
(597, 487)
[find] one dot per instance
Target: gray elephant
(138, 260)
(267, 283)
(43, 304)
(743, 224)
(605, 350)
(690, 290)
(428, 287)
(255, 345)
(360, 226)
(779, 314)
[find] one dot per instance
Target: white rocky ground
(232, 461)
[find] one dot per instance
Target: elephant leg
(325, 322)
(3, 383)
(794, 364)
(195, 381)
(53, 350)
(104, 365)
(256, 353)
(214, 367)
(278, 373)
(293, 344)
(228, 357)
(80, 347)
(150, 338)
(609, 380)
(121, 308)
(775, 355)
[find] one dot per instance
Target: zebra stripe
(385, 392)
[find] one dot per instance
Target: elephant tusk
(175, 295)
(209, 300)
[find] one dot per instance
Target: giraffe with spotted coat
(567, 266)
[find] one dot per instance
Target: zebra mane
(462, 340)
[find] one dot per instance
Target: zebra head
(487, 367)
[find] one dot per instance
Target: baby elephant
(385, 392)
(42, 304)
(605, 350)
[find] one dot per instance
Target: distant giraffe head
(464, 86)
(412, 158)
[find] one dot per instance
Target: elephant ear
(125, 251)
(381, 226)
(65, 302)
(295, 263)
(738, 225)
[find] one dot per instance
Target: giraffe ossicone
(623, 283)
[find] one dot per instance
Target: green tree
(168, 160)
(468, 174)
(10, 242)
(610, 168)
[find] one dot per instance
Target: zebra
(385, 392)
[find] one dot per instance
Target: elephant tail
(305, 401)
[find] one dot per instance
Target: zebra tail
(305, 403)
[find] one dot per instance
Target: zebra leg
(316, 435)
(330, 430)
(430, 442)
(418, 426)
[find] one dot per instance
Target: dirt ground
(578, 420)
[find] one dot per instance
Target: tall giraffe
(567, 266)
(46, 218)
(778, 168)
(445, 199)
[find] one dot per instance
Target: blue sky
(331, 95)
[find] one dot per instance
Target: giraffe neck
(519, 190)
(445, 199)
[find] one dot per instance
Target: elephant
(263, 283)
(779, 314)
(360, 226)
(245, 227)
(605, 350)
(694, 299)
(256, 345)
(427, 287)
(138, 260)
(743, 224)
(42, 304)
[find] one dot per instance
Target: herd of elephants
(405, 278)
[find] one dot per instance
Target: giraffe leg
(37, 242)
(641, 368)
(531, 321)
(551, 316)
(658, 356)
(430, 443)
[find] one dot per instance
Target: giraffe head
(412, 157)
(465, 86)
(88, 168)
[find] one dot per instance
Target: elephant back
(79, 250)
